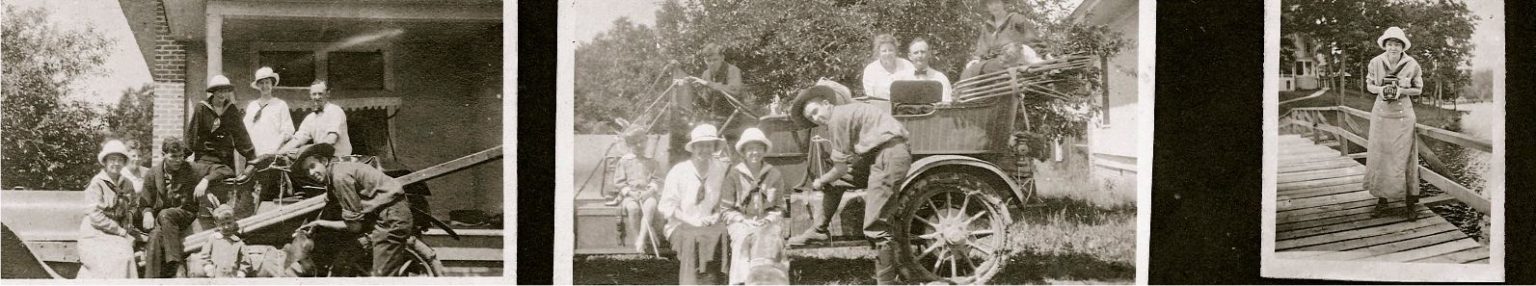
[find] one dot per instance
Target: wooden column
(214, 43)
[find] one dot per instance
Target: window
(295, 69)
(355, 70)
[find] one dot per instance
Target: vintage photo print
(1384, 141)
(163, 141)
(837, 142)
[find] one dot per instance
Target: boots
(1380, 209)
(1409, 211)
(813, 234)
(886, 264)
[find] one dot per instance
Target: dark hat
(320, 150)
(824, 89)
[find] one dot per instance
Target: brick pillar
(169, 70)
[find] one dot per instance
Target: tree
(783, 46)
(132, 119)
(50, 143)
(1439, 29)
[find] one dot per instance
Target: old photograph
(235, 139)
(1384, 152)
(851, 142)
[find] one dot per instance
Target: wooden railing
(1344, 124)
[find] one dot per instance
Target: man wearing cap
(372, 204)
(868, 151)
(692, 203)
(327, 124)
(214, 136)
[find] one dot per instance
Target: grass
(1058, 241)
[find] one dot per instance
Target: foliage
(132, 119)
(1439, 29)
(783, 46)
(50, 143)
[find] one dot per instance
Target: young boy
(222, 255)
(635, 178)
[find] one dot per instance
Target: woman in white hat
(1392, 165)
(755, 204)
(267, 117)
(692, 203)
(106, 241)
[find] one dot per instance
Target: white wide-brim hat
(704, 133)
(218, 81)
(109, 148)
(263, 73)
(1394, 33)
(752, 135)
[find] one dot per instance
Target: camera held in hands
(1389, 91)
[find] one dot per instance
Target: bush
(50, 143)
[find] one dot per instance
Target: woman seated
(754, 212)
(692, 204)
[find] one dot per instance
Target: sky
(1488, 34)
(124, 67)
(593, 17)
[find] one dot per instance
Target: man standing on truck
(868, 151)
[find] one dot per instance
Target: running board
(259, 221)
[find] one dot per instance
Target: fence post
(1338, 120)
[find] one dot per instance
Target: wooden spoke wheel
(953, 226)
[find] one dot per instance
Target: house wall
(1113, 141)
(451, 106)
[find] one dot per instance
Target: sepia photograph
(1384, 152)
(852, 142)
(223, 140)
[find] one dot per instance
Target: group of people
(724, 219)
(152, 209)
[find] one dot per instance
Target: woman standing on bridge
(1392, 163)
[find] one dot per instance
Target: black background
(1207, 145)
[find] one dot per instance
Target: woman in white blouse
(879, 74)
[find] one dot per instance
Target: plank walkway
(1325, 214)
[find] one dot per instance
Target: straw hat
(1394, 32)
(752, 135)
(704, 133)
(109, 148)
(218, 81)
(263, 73)
(824, 89)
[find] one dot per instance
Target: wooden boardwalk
(1325, 214)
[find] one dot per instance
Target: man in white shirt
(327, 124)
(917, 53)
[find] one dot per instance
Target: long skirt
(104, 256)
(757, 254)
(702, 254)
(1391, 166)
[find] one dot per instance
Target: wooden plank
(1290, 204)
(1455, 190)
(1423, 213)
(1298, 149)
(1342, 217)
(1321, 174)
(1360, 206)
(1355, 233)
(1321, 191)
(1390, 247)
(1426, 252)
(1321, 153)
(261, 220)
(1479, 261)
(1294, 161)
(1328, 164)
(1351, 136)
(1320, 183)
(1463, 256)
(1459, 139)
(1363, 242)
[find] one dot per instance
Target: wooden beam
(376, 11)
(195, 241)
(1455, 138)
(1455, 190)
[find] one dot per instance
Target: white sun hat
(752, 135)
(1391, 33)
(218, 81)
(701, 134)
(265, 72)
(109, 148)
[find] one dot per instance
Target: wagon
(966, 186)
